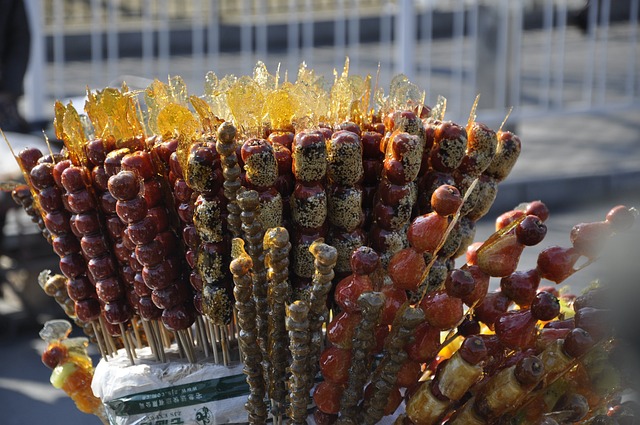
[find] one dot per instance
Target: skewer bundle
(321, 242)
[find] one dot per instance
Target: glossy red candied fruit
(491, 308)
(481, 285)
(557, 263)
(342, 328)
(507, 218)
(441, 310)
(471, 255)
(473, 350)
(425, 345)
(446, 200)
(349, 289)
(409, 374)
(589, 239)
(334, 364)
(54, 355)
(364, 261)
(537, 208)
(621, 218)
(139, 162)
(459, 283)
(531, 230)
(426, 231)
(545, 306)
(406, 269)
(516, 329)
(394, 298)
(521, 286)
(124, 186)
(327, 397)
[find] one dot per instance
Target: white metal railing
(484, 48)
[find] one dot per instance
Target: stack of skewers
(310, 234)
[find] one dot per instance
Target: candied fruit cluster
(323, 235)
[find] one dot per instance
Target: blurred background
(569, 68)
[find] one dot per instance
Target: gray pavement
(579, 164)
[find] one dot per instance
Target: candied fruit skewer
(372, 163)
(184, 198)
(251, 353)
(588, 240)
(65, 244)
(72, 368)
(249, 203)
(22, 196)
(277, 246)
(344, 195)
(325, 258)
(297, 323)
(386, 374)
(261, 173)
(124, 248)
(448, 144)
(282, 144)
(453, 378)
(149, 230)
(308, 202)
(506, 154)
(231, 172)
(56, 286)
(371, 304)
(101, 265)
(204, 176)
(396, 193)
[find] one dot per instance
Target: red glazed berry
(406, 269)
(341, 329)
(516, 329)
(473, 350)
(459, 283)
(124, 186)
(557, 263)
(335, 363)
(426, 231)
(364, 261)
(537, 208)
(446, 200)
(482, 285)
(499, 257)
(531, 231)
(589, 239)
(349, 289)
(54, 355)
(394, 298)
(521, 286)
(441, 310)
(577, 342)
(425, 345)
(545, 306)
(620, 218)
(327, 397)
